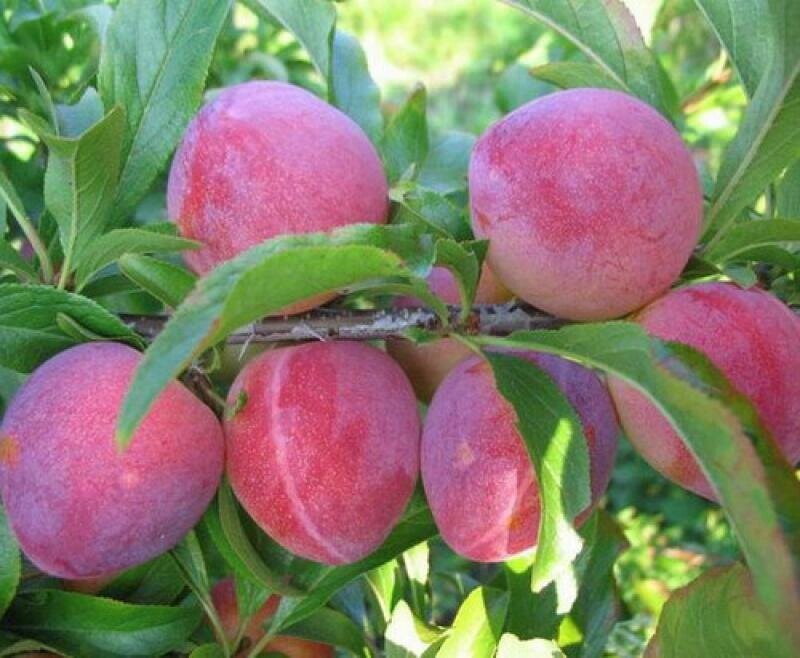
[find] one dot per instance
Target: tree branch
(328, 324)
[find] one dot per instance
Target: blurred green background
(475, 58)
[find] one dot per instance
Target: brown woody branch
(328, 324)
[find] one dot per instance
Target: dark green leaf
(110, 247)
(154, 63)
(405, 143)
(80, 183)
(569, 75)
(430, 210)
(212, 650)
(168, 283)
(605, 31)
(29, 333)
(787, 202)
(89, 626)
(745, 28)
(284, 270)
(554, 439)
(10, 563)
(74, 120)
(768, 139)
(11, 260)
(749, 235)
(445, 168)
(478, 625)
(330, 627)
(352, 88)
(312, 23)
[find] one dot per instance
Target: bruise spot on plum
(9, 451)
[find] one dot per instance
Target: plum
(79, 507)
(324, 450)
(590, 200)
(478, 477)
(223, 596)
(427, 365)
(752, 338)
(264, 159)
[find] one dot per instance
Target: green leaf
(29, 332)
(431, 211)
(322, 582)
(749, 235)
(715, 616)
(330, 627)
(405, 143)
(464, 260)
(787, 202)
(756, 486)
(409, 637)
(384, 586)
(80, 183)
(284, 270)
(168, 283)
(247, 558)
(512, 647)
(10, 563)
(74, 120)
(156, 582)
(478, 625)
(445, 168)
(154, 63)
(517, 86)
(310, 21)
(91, 626)
(768, 139)
(569, 75)
(211, 650)
(353, 90)
(416, 561)
(11, 260)
(745, 29)
(606, 32)
(556, 444)
(768, 254)
(110, 247)
(10, 381)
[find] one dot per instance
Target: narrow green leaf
(168, 283)
(787, 202)
(110, 247)
(554, 439)
(211, 650)
(405, 143)
(310, 21)
(80, 183)
(768, 139)
(330, 627)
(478, 625)
(154, 63)
(11, 260)
(431, 210)
(717, 614)
(10, 563)
(408, 637)
(445, 167)
(283, 270)
(80, 334)
(569, 75)
(749, 235)
(29, 333)
(605, 31)
(416, 562)
(353, 90)
(745, 29)
(90, 626)
(756, 486)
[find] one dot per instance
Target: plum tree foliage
(189, 468)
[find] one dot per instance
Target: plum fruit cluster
(591, 205)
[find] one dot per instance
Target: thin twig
(329, 324)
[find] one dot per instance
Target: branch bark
(329, 324)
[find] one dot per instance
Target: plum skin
(477, 474)
(590, 201)
(78, 506)
(427, 365)
(324, 453)
(264, 159)
(752, 338)
(223, 596)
